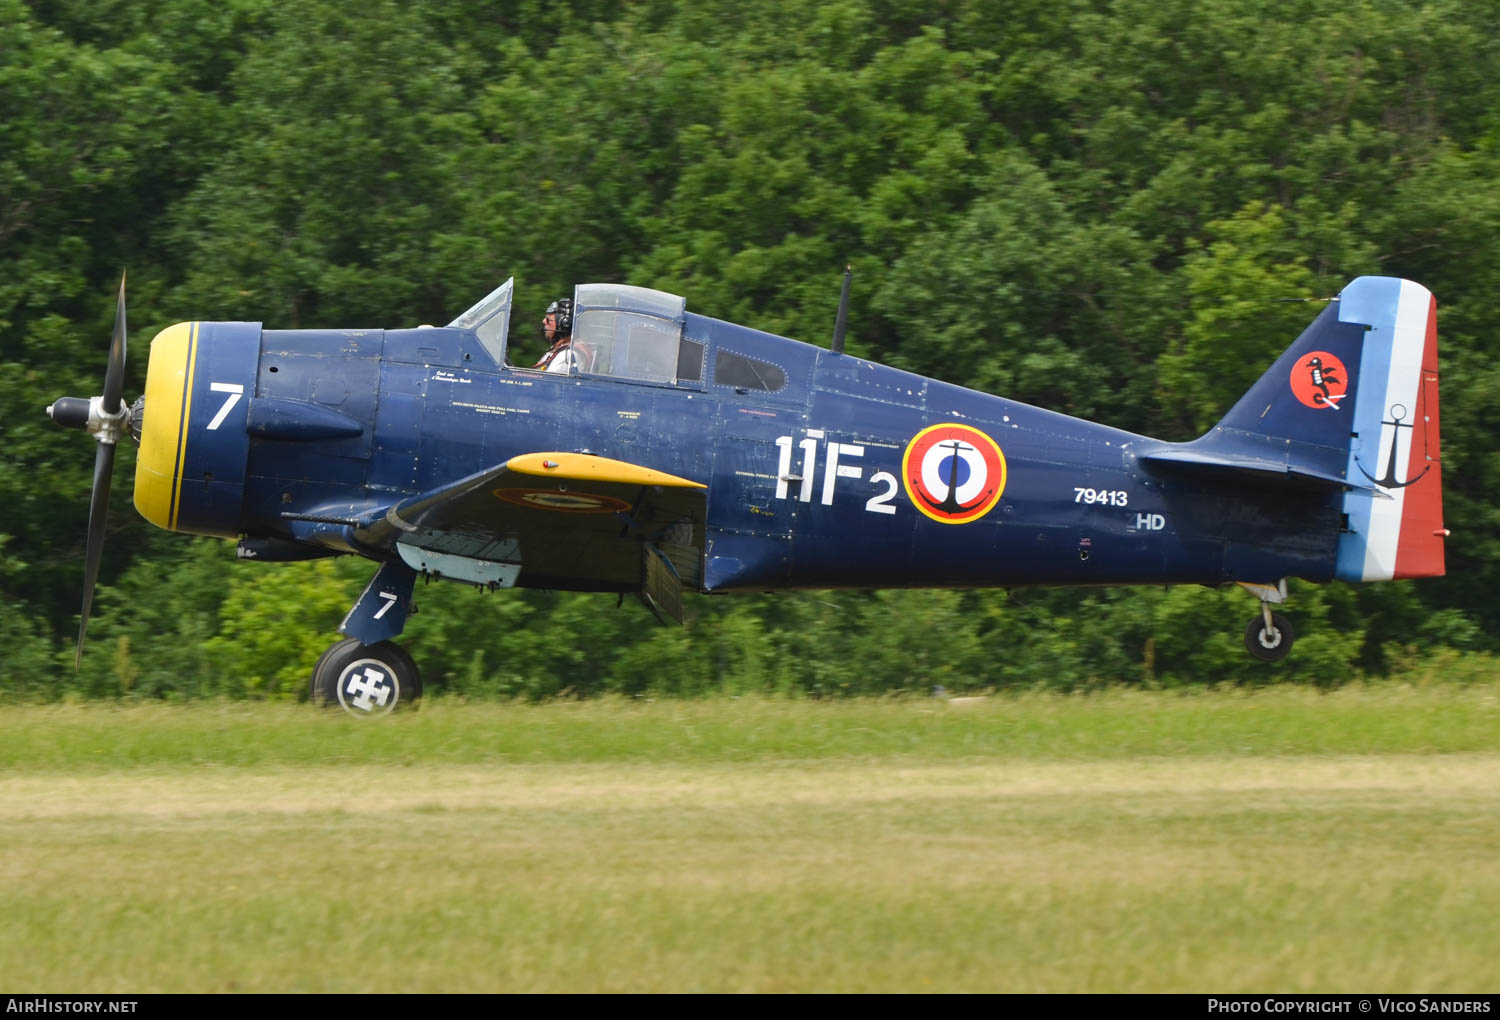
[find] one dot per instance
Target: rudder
(1395, 442)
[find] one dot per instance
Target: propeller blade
(114, 375)
(104, 462)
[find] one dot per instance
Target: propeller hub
(89, 415)
(69, 412)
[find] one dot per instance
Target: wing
(557, 520)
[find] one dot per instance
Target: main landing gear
(366, 680)
(1269, 637)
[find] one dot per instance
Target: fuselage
(823, 470)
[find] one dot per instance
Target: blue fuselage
(815, 483)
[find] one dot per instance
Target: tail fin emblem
(1389, 480)
(1320, 380)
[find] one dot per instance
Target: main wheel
(1269, 646)
(366, 680)
(319, 685)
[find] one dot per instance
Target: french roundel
(564, 502)
(953, 473)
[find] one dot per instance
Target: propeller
(106, 419)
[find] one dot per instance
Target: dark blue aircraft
(667, 451)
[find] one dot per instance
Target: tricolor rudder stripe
(1395, 441)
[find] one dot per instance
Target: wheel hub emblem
(367, 688)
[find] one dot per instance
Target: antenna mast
(839, 323)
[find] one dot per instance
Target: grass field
(1282, 840)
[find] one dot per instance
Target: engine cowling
(190, 470)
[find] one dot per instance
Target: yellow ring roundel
(953, 473)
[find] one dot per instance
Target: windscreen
(489, 318)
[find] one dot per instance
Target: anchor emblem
(949, 472)
(1389, 480)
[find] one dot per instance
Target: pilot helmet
(563, 309)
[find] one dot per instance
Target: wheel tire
(320, 688)
(367, 681)
(1269, 648)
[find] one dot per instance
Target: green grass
(1281, 840)
(1377, 719)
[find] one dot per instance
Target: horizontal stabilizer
(1267, 472)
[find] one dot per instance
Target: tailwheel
(1269, 636)
(366, 680)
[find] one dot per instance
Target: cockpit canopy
(628, 332)
(619, 331)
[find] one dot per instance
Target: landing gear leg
(1269, 636)
(366, 680)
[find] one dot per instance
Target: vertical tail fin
(1298, 415)
(1353, 404)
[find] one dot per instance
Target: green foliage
(1112, 210)
(27, 667)
(275, 624)
(149, 636)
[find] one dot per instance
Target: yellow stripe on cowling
(158, 465)
(584, 467)
(182, 428)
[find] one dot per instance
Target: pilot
(557, 329)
